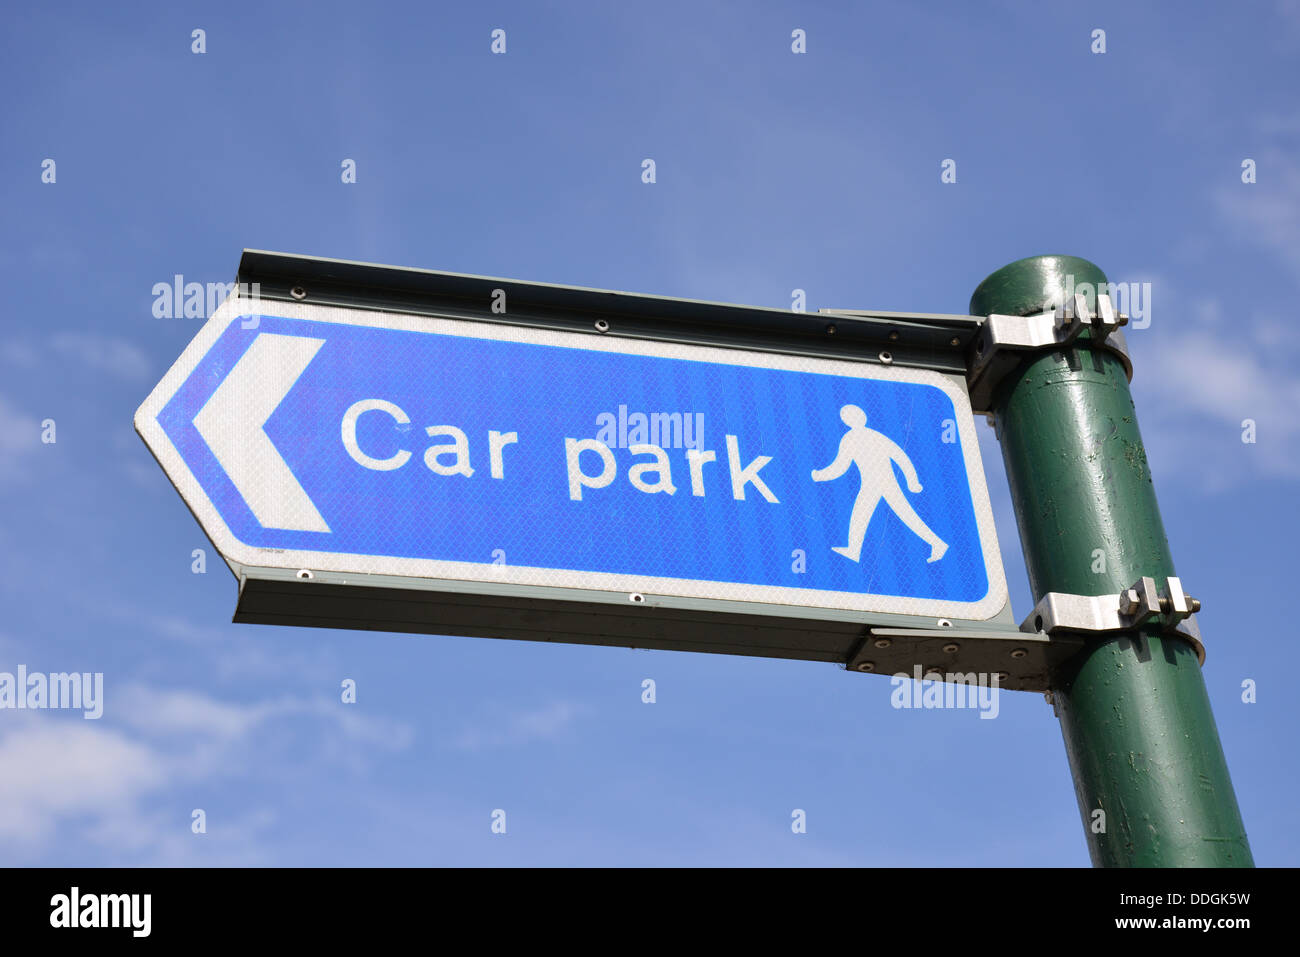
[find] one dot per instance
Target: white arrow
(232, 423)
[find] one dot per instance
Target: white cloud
(246, 652)
(1208, 375)
(113, 782)
(175, 713)
(1197, 379)
(54, 770)
(105, 353)
(19, 432)
(20, 435)
(1193, 392)
(1267, 212)
(163, 838)
(507, 730)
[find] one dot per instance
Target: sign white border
(146, 423)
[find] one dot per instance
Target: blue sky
(775, 171)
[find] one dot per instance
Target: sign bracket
(1141, 603)
(1004, 340)
(1022, 661)
(1026, 659)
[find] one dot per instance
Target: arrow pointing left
(233, 422)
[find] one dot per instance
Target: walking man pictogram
(872, 453)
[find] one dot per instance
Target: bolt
(950, 649)
(1018, 653)
(1167, 604)
(882, 642)
(954, 341)
(893, 335)
(866, 666)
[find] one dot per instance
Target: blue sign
(382, 444)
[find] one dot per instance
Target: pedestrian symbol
(872, 452)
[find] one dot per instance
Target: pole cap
(1029, 286)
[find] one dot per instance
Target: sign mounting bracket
(1003, 340)
(1142, 602)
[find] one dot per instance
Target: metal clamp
(1134, 606)
(1002, 338)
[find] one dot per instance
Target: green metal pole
(1141, 739)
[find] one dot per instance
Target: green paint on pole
(1141, 739)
